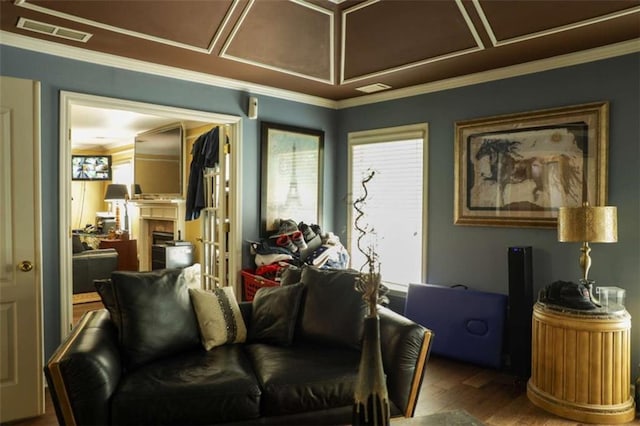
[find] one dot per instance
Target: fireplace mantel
(153, 211)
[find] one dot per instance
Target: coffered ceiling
(330, 48)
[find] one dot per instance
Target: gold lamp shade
(587, 224)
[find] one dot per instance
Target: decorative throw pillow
(275, 314)
(333, 310)
(156, 317)
(219, 317)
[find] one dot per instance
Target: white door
(21, 355)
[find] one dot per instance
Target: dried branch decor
(371, 405)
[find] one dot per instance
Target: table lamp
(587, 224)
(114, 193)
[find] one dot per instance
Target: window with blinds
(395, 208)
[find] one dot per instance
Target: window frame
(391, 134)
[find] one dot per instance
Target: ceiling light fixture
(372, 88)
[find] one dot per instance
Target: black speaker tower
(520, 310)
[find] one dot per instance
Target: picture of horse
(530, 169)
(518, 169)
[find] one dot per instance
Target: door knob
(25, 266)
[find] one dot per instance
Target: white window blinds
(395, 209)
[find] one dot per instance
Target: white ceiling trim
(469, 22)
(240, 22)
(550, 31)
(224, 24)
(84, 55)
(375, 74)
(25, 4)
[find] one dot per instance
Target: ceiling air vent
(53, 30)
(375, 87)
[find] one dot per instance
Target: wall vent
(375, 87)
(53, 30)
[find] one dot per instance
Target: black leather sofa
(298, 364)
(89, 265)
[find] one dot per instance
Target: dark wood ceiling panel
(519, 18)
(287, 36)
(191, 22)
(391, 34)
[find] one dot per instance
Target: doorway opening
(80, 113)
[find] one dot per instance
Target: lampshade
(137, 190)
(116, 192)
(588, 224)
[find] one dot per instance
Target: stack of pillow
(157, 314)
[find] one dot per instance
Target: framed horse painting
(518, 169)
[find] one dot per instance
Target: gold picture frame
(518, 169)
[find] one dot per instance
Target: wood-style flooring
(495, 398)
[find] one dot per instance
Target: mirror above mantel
(158, 162)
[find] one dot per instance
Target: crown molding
(84, 55)
(591, 55)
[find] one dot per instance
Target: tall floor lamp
(117, 192)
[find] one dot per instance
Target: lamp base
(589, 285)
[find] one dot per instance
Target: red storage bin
(253, 282)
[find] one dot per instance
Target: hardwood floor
(495, 398)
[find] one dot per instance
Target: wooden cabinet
(581, 367)
(127, 253)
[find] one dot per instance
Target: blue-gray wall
(58, 74)
(475, 256)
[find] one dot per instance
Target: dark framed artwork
(292, 175)
(518, 169)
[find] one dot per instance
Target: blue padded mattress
(468, 324)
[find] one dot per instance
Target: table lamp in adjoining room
(116, 193)
(587, 224)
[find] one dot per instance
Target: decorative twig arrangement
(368, 283)
(371, 399)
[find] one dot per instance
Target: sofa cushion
(275, 314)
(304, 377)
(219, 316)
(333, 310)
(197, 387)
(155, 315)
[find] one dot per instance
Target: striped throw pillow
(219, 317)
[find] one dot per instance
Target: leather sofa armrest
(405, 350)
(85, 370)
